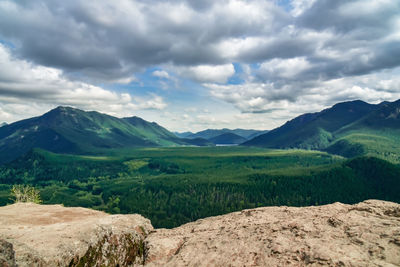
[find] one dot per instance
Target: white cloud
(314, 55)
(284, 68)
(367, 8)
(208, 73)
(26, 88)
(161, 74)
(285, 102)
(155, 102)
(299, 6)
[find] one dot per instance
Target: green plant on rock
(25, 193)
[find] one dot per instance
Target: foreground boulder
(7, 254)
(366, 234)
(52, 235)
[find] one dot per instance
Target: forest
(172, 186)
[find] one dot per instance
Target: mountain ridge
(227, 139)
(346, 129)
(71, 130)
(211, 133)
(304, 126)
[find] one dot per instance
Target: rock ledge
(53, 235)
(365, 234)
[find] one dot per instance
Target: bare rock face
(366, 234)
(52, 235)
(7, 254)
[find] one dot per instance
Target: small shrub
(25, 193)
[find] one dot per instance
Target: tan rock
(366, 234)
(52, 235)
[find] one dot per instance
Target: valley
(200, 133)
(172, 186)
(347, 153)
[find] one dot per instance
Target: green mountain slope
(154, 132)
(349, 129)
(387, 116)
(376, 134)
(227, 138)
(313, 130)
(69, 130)
(183, 134)
(211, 133)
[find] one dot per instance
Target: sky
(195, 64)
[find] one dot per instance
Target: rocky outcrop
(7, 254)
(52, 235)
(366, 234)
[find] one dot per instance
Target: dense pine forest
(172, 186)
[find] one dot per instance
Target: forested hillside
(349, 129)
(69, 130)
(172, 186)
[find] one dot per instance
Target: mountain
(211, 133)
(386, 116)
(227, 139)
(183, 135)
(255, 134)
(348, 129)
(377, 134)
(69, 130)
(313, 130)
(3, 124)
(152, 131)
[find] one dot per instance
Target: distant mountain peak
(62, 110)
(211, 133)
(65, 108)
(69, 130)
(314, 130)
(228, 138)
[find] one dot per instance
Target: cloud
(110, 40)
(161, 74)
(207, 73)
(156, 102)
(302, 55)
(294, 99)
(284, 68)
(299, 6)
(27, 87)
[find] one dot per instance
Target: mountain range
(70, 130)
(223, 136)
(349, 129)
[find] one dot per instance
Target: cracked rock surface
(365, 234)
